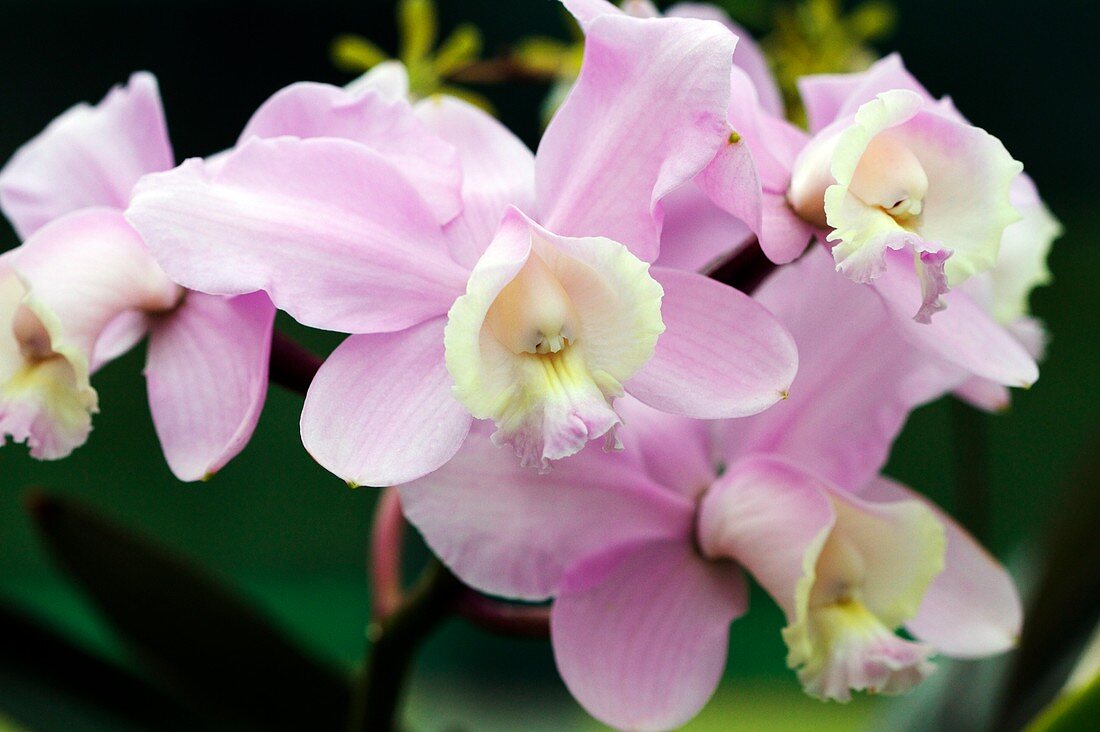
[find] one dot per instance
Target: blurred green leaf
(48, 682)
(1065, 603)
(1077, 711)
(192, 632)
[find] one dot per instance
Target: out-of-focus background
(292, 538)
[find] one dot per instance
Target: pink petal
(385, 124)
(984, 394)
(674, 451)
(828, 97)
(857, 380)
(380, 411)
(512, 532)
(641, 631)
(972, 608)
(748, 56)
(750, 174)
(585, 11)
(626, 136)
(118, 337)
(497, 171)
(698, 235)
(84, 270)
(206, 373)
(330, 230)
(768, 516)
(721, 355)
(89, 156)
(963, 334)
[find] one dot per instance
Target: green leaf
(49, 682)
(1076, 711)
(188, 629)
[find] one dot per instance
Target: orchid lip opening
(890, 176)
(533, 313)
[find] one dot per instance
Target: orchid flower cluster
(542, 352)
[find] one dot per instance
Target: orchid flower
(1019, 250)
(82, 290)
(893, 170)
(485, 283)
(642, 552)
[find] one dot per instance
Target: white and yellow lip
(549, 329)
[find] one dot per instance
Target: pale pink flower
(642, 551)
(493, 284)
(82, 290)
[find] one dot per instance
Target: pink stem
(387, 536)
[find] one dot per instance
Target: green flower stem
(393, 644)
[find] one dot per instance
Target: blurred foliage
(431, 68)
(819, 37)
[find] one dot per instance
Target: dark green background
(293, 537)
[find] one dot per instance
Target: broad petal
(972, 608)
(641, 632)
(89, 156)
(748, 56)
(84, 270)
(984, 394)
(206, 373)
(599, 170)
(380, 411)
(385, 124)
(675, 451)
(513, 532)
(771, 518)
(290, 217)
(497, 171)
(585, 11)
(963, 334)
(750, 174)
(721, 355)
(827, 97)
(698, 235)
(857, 380)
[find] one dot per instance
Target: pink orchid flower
(890, 168)
(82, 290)
(641, 552)
(1020, 251)
(498, 285)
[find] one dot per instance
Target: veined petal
(385, 124)
(748, 55)
(497, 171)
(206, 374)
(512, 532)
(380, 411)
(640, 632)
(548, 330)
(846, 571)
(721, 355)
(61, 290)
(585, 11)
(963, 334)
(858, 378)
(294, 218)
(626, 137)
(972, 608)
(828, 97)
(675, 451)
(89, 156)
(750, 174)
(698, 235)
